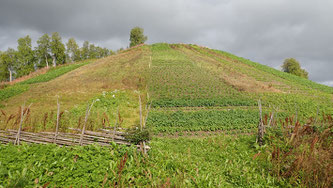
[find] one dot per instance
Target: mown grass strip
(11, 91)
(54, 73)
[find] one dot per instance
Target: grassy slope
(176, 76)
(125, 72)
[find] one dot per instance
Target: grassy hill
(187, 91)
(189, 88)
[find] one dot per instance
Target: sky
(260, 30)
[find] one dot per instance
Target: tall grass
(302, 154)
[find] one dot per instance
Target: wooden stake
(260, 126)
(17, 139)
(57, 125)
(296, 112)
(140, 112)
(85, 121)
(147, 115)
(115, 125)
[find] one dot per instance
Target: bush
(135, 136)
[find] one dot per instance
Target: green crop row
(177, 81)
(204, 102)
(204, 120)
(222, 161)
(54, 73)
(11, 91)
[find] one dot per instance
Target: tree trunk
(10, 76)
(47, 63)
(54, 61)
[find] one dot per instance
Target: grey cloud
(260, 30)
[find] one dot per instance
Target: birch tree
(43, 49)
(25, 56)
(72, 49)
(57, 49)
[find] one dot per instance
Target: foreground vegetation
(218, 161)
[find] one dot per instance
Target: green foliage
(73, 50)
(25, 56)
(9, 63)
(11, 91)
(36, 165)
(43, 50)
(203, 120)
(223, 161)
(57, 49)
(137, 37)
(292, 66)
(136, 135)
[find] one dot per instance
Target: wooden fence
(104, 138)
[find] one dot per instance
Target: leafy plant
(136, 135)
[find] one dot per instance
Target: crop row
(205, 120)
(54, 73)
(177, 81)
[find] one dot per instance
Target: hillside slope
(189, 88)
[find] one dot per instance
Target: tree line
(50, 51)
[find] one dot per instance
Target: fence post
(17, 139)
(85, 122)
(260, 126)
(115, 125)
(140, 112)
(57, 125)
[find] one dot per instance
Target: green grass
(219, 161)
(54, 73)
(11, 91)
(23, 86)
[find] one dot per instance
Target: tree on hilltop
(292, 66)
(9, 62)
(43, 50)
(137, 37)
(25, 56)
(57, 49)
(72, 50)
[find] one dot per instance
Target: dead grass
(303, 154)
(228, 74)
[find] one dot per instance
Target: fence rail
(104, 138)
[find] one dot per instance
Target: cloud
(260, 30)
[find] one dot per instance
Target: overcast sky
(265, 31)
